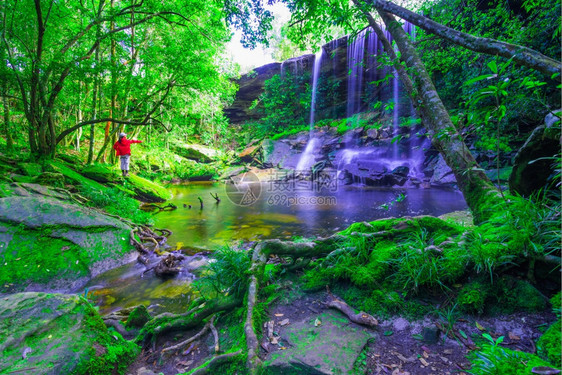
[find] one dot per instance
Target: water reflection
(285, 214)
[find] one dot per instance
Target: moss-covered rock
(44, 240)
(518, 295)
(146, 190)
(472, 297)
(74, 177)
(58, 334)
(50, 178)
(30, 169)
(101, 173)
(138, 317)
(200, 153)
(549, 344)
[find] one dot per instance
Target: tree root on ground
(184, 343)
(361, 318)
(209, 367)
(177, 323)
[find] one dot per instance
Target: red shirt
(124, 147)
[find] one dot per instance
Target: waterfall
(307, 159)
(355, 67)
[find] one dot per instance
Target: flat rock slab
(330, 348)
(35, 212)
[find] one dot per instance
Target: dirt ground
(399, 347)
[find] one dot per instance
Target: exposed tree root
(164, 324)
(216, 361)
(153, 207)
(215, 336)
(258, 264)
(360, 318)
(119, 328)
(184, 343)
(168, 266)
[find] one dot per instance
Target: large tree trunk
(521, 55)
(476, 187)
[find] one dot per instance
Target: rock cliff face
(346, 83)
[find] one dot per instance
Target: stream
(274, 214)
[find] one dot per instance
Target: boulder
(197, 152)
(248, 153)
(54, 334)
(50, 244)
(442, 173)
(533, 164)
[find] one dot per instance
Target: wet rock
(59, 334)
(530, 174)
(442, 173)
(372, 134)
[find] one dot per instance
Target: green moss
(74, 177)
(472, 297)
(138, 317)
(549, 344)
(118, 353)
(147, 190)
(101, 173)
(517, 295)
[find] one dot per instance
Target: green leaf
(463, 334)
(388, 333)
(493, 66)
(480, 78)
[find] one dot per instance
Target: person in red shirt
(123, 148)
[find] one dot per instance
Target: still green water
(273, 214)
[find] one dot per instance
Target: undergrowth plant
(226, 273)
(116, 202)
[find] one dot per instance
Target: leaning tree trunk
(521, 55)
(476, 187)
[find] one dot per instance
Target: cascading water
(368, 81)
(308, 157)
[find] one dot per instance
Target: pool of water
(269, 214)
(279, 214)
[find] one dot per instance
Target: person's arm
(115, 146)
(135, 141)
